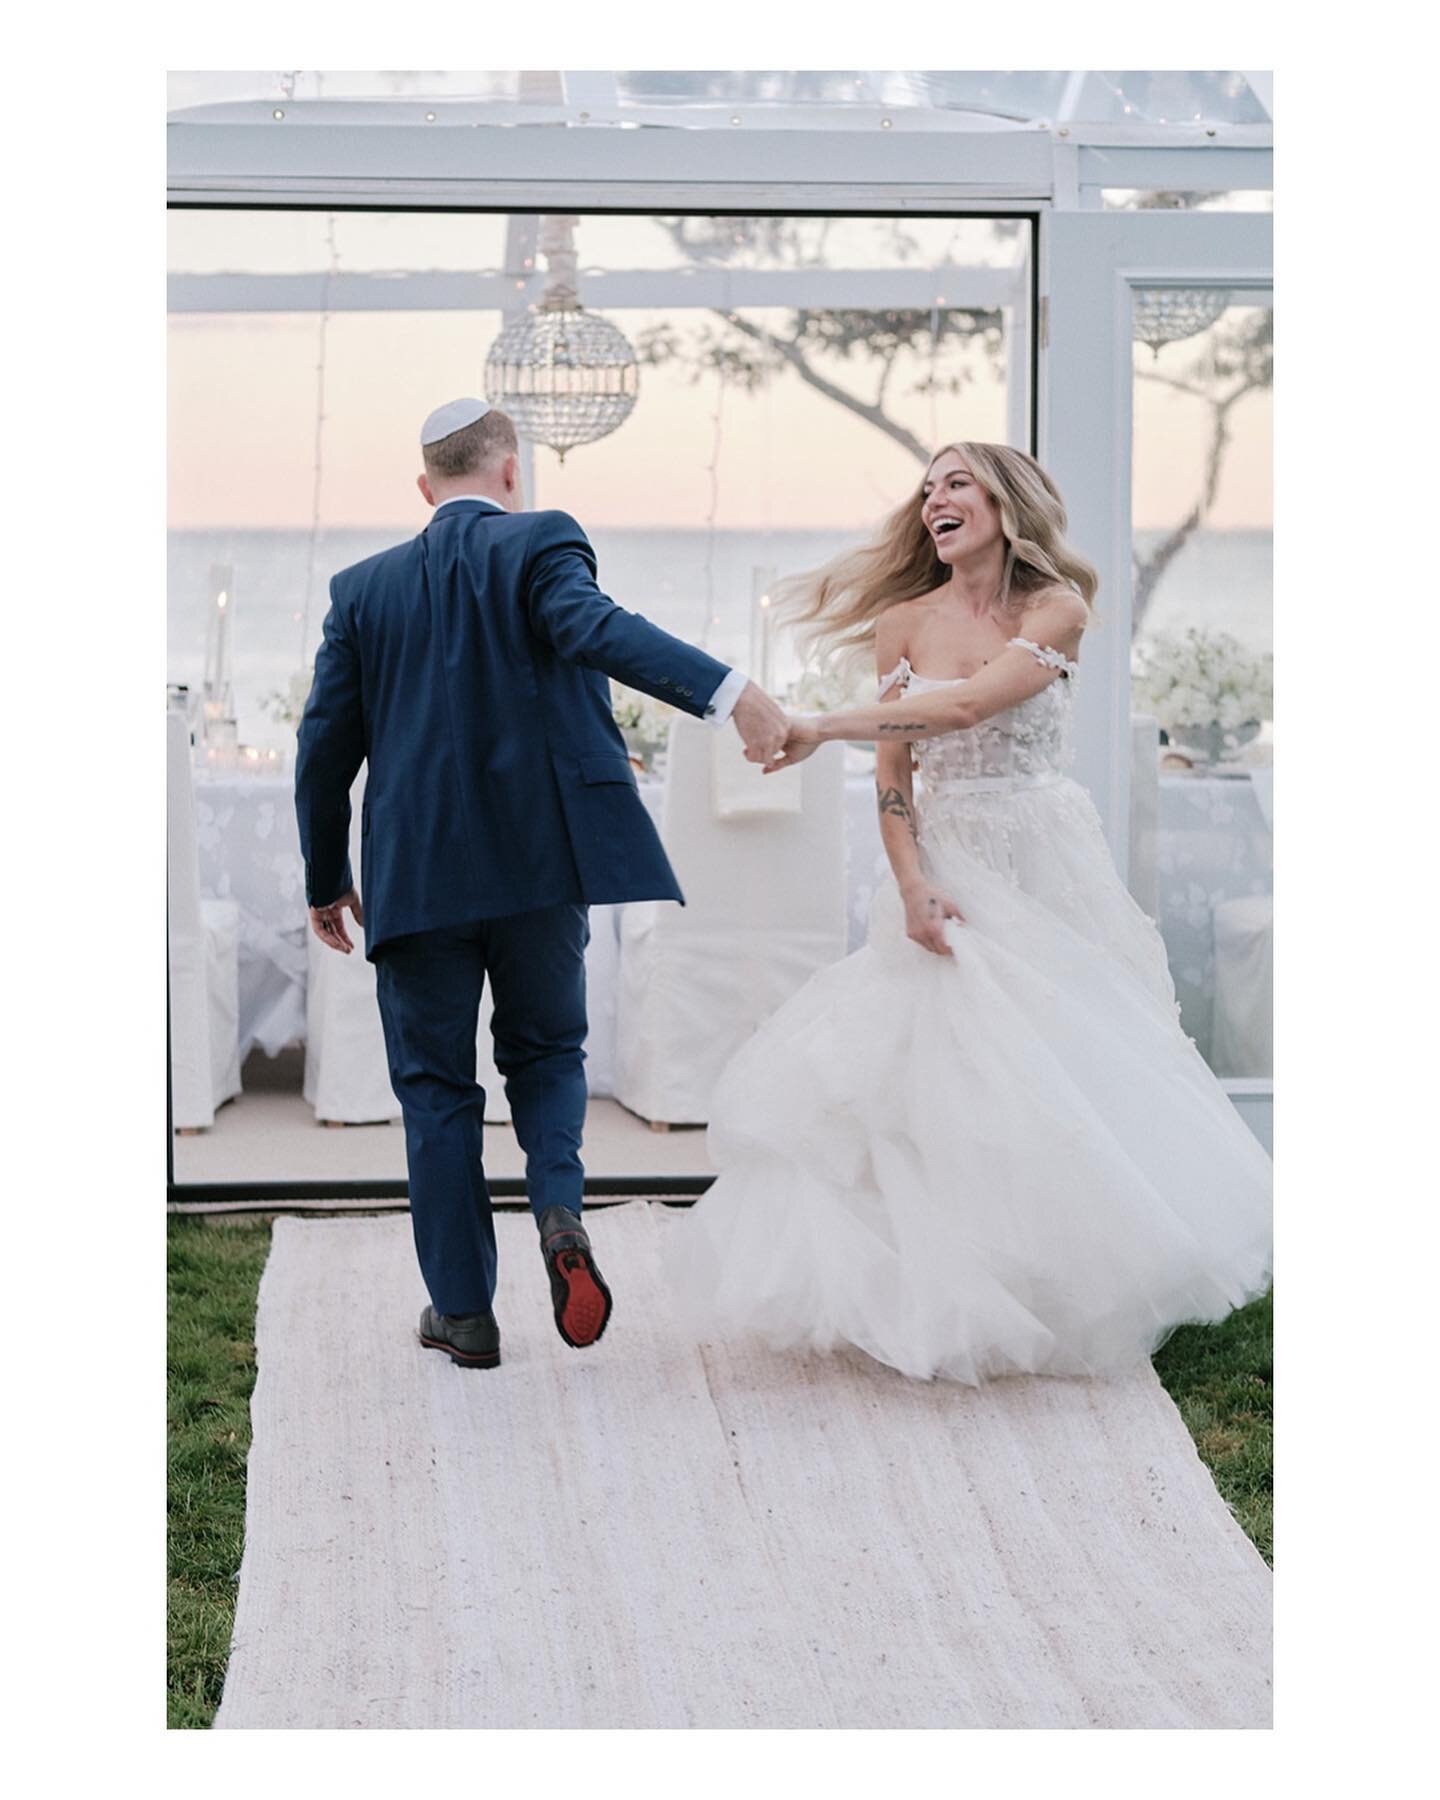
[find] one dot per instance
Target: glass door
(1156, 358)
(793, 376)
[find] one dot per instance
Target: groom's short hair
(473, 447)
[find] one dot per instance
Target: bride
(982, 1144)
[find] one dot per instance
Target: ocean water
(699, 585)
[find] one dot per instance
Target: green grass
(1219, 1377)
(214, 1272)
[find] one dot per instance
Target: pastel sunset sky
(245, 389)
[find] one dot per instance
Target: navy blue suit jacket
(468, 668)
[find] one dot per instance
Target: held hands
(328, 922)
(926, 910)
(762, 725)
(802, 740)
(773, 738)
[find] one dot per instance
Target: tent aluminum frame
(337, 153)
(340, 156)
(202, 293)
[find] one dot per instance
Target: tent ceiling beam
(329, 157)
(446, 290)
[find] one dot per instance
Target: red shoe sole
(586, 1309)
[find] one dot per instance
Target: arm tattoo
(907, 725)
(893, 801)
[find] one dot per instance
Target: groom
(469, 669)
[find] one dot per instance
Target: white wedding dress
(1012, 1160)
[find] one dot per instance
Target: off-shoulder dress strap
(901, 673)
(1053, 659)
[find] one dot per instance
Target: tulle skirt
(1009, 1160)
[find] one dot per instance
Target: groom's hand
(761, 723)
(328, 922)
(801, 740)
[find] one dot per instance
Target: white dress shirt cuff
(722, 701)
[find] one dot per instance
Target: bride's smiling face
(958, 513)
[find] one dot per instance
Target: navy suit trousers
(430, 985)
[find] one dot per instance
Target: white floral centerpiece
(644, 723)
(1205, 688)
(836, 689)
(288, 707)
(828, 690)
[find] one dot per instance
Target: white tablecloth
(1214, 844)
(250, 853)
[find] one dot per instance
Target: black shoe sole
(582, 1300)
(488, 1359)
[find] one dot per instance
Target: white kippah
(454, 415)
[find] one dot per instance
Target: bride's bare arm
(926, 906)
(1012, 676)
(894, 786)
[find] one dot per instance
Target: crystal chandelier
(1165, 315)
(564, 375)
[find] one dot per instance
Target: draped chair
(1243, 1043)
(761, 859)
(204, 958)
(347, 1076)
(1144, 882)
(347, 1079)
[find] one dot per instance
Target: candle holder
(762, 628)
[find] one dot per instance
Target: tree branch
(872, 415)
(1149, 570)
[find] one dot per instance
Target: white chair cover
(204, 958)
(602, 964)
(347, 1075)
(497, 1107)
(1243, 1039)
(602, 981)
(765, 909)
(1145, 813)
(222, 980)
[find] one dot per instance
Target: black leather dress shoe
(582, 1300)
(470, 1339)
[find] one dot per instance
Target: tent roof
(814, 99)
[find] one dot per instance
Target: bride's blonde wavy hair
(834, 609)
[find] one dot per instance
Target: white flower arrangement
(288, 707)
(1200, 677)
(646, 718)
(829, 690)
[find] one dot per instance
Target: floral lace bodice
(1028, 740)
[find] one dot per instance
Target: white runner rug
(651, 1533)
